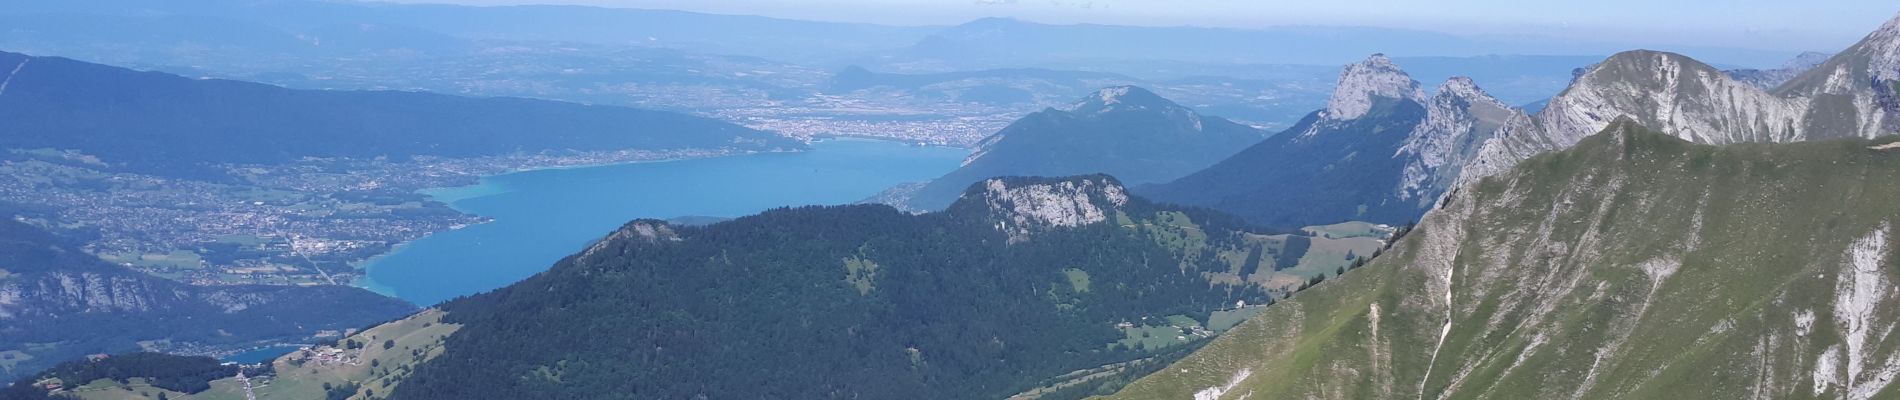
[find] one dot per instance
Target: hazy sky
(1769, 24)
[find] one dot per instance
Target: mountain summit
(1126, 98)
(1124, 131)
(1366, 82)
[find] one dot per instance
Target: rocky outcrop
(629, 238)
(1459, 120)
(59, 293)
(1021, 207)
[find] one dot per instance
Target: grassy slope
(135, 389)
(422, 333)
(1179, 231)
(1569, 258)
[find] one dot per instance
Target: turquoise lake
(541, 216)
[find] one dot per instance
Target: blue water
(541, 216)
(259, 355)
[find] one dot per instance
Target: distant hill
(157, 122)
(1124, 131)
(1632, 265)
(58, 303)
(1770, 78)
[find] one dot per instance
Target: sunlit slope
(1634, 265)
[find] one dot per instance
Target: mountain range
(1848, 96)
(1334, 166)
(158, 122)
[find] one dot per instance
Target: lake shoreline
(870, 153)
(483, 188)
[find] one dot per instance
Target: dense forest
(156, 122)
(176, 373)
(835, 302)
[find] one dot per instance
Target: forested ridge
(855, 301)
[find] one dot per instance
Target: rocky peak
(1022, 206)
(1883, 49)
(1674, 94)
(1362, 83)
(1458, 119)
(1462, 88)
(1852, 94)
(1855, 93)
(1855, 71)
(1666, 92)
(639, 231)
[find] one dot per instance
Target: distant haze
(1756, 24)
